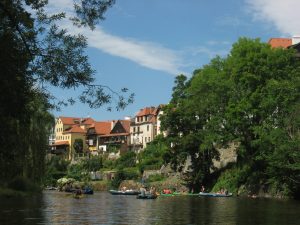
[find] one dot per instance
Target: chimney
(295, 39)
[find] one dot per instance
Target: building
(293, 42)
(93, 134)
(109, 136)
(280, 42)
(66, 131)
(144, 127)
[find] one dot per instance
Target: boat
(127, 192)
(88, 191)
(166, 195)
(211, 194)
(146, 196)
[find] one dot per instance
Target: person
(143, 191)
(123, 188)
(226, 192)
(153, 191)
(78, 192)
(202, 188)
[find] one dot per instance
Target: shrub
(126, 160)
(155, 177)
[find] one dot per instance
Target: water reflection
(103, 208)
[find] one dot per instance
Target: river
(102, 208)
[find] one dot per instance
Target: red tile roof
(87, 121)
(126, 125)
(280, 42)
(146, 111)
(68, 120)
(102, 127)
(76, 120)
(75, 129)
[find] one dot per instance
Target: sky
(143, 45)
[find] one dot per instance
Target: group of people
(152, 191)
(223, 191)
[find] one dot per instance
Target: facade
(109, 136)
(93, 134)
(144, 127)
(105, 136)
(66, 131)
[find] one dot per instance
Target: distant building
(280, 42)
(293, 42)
(108, 136)
(66, 131)
(144, 127)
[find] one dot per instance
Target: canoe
(147, 196)
(179, 194)
(215, 194)
(127, 192)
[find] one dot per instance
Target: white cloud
(283, 14)
(150, 55)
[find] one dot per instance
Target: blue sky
(143, 45)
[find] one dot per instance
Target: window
(145, 139)
(148, 139)
(134, 129)
(138, 129)
(147, 127)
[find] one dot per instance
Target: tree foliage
(251, 97)
(78, 145)
(36, 54)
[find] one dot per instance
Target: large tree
(251, 97)
(36, 53)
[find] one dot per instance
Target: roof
(75, 129)
(60, 143)
(76, 120)
(102, 127)
(146, 111)
(87, 121)
(280, 42)
(68, 120)
(126, 125)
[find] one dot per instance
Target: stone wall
(227, 155)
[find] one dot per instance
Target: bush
(131, 173)
(94, 163)
(126, 160)
(231, 179)
(155, 177)
(124, 174)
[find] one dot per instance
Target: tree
(78, 145)
(36, 54)
(250, 97)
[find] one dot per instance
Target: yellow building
(67, 130)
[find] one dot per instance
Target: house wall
(59, 129)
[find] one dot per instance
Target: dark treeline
(252, 98)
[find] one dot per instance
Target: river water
(102, 208)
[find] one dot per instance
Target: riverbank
(11, 193)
